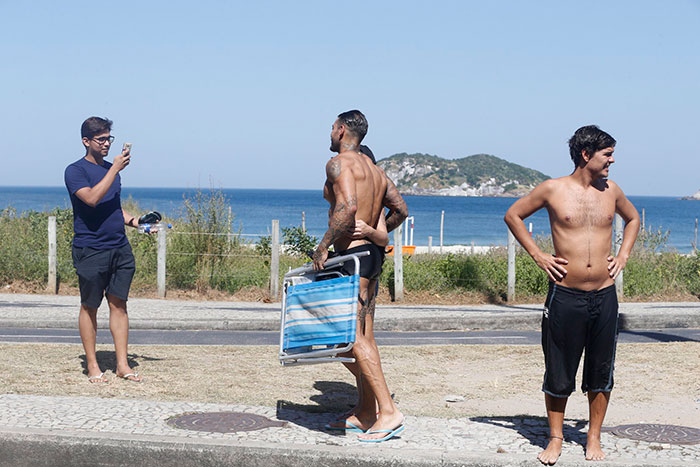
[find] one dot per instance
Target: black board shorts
(370, 266)
(574, 320)
(103, 271)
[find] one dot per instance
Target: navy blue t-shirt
(101, 227)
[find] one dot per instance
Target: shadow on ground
(659, 337)
(107, 360)
(536, 429)
(336, 398)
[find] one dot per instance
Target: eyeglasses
(101, 141)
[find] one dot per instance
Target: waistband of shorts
(367, 246)
(116, 248)
(582, 293)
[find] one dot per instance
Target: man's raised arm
(341, 221)
(398, 211)
(92, 196)
(514, 218)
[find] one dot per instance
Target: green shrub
(298, 241)
(264, 246)
(689, 270)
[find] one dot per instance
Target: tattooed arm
(398, 211)
(341, 222)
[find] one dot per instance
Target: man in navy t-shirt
(101, 252)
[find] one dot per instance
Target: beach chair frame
(328, 353)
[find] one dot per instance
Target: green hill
(477, 175)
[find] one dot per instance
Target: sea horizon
(467, 220)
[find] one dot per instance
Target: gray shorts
(103, 271)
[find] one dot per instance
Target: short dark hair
(355, 122)
(589, 138)
(367, 152)
(94, 126)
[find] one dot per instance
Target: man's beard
(335, 146)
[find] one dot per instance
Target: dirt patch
(655, 383)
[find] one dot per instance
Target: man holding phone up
(101, 252)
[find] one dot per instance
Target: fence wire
(212, 254)
(232, 234)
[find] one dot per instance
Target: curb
(490, 322)
(33, 447)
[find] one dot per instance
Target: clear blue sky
(243, 94)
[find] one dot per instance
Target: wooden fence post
(275, 260)
(398, 264)
(619, 230)
(52, 284)
(430, 244)
(160, 270)
(442, 226)
(511, 267)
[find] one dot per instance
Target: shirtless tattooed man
(357, 192)
(581, 307)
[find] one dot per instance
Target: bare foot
(551, 454)
(593, 449)
(95, 375)
(384, 426)
(97, 378)
(129, 375)
(351, 421)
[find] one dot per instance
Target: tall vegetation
(652, 272)
(204, 254)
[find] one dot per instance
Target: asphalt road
(157, 337)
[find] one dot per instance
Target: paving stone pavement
(490, 436)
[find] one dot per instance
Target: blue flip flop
(390, 434)
(349, 427)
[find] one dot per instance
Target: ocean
(467, 219)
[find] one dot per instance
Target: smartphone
(127, 147)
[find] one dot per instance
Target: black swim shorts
(370, 266)
(103, 271)
(573, 320)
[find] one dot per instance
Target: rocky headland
(695, 196)
(477, 175)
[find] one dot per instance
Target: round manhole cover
(655, 433)
(222, 422)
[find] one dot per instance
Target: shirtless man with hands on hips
(581, 309)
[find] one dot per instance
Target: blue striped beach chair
(319, 313)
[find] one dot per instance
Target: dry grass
(654, 382)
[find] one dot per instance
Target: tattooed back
(355, 189)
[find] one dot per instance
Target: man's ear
(585, 156)
(341, 131)
(86, 142)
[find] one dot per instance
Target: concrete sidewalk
(87, 431)
(58, 311)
